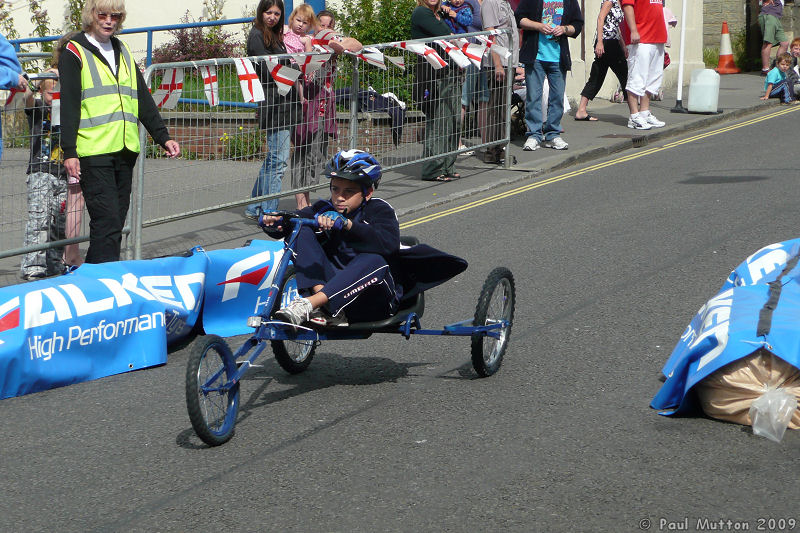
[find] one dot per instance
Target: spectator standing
(277, 114)
(608, 53)
(103, 98)
(441, 120)
(769, 20)
(10, 75)
(319, 115)
(47, 185)
(545, 25)
(498, 15)
(475, 84)
(645, 33)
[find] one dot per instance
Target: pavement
(401, 187)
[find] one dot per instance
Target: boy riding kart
(354, 268)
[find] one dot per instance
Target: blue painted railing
(148, 30)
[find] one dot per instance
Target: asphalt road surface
(611, 262)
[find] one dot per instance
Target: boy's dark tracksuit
(364, 271)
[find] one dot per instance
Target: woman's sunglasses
(109, 16)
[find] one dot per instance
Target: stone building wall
(717, 11)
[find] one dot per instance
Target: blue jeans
(271, 174)
(534, 80)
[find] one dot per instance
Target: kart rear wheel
(293, 356)
(212, 409)
(495, 303)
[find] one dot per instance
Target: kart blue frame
(489, 330)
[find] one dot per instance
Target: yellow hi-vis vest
(109, 105)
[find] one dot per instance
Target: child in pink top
(295, 35)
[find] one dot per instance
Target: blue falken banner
(757, 307)
(111, 318)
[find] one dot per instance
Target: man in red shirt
(645, 33)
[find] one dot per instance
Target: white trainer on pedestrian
(531, 144)
(556, 143)
(638, 123)
(653, 121)
(296, 313)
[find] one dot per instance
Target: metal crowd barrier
(352, 98)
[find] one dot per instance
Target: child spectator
(295, 35)
(793, 74)
(776, 84)
(311, 136)
(47, 185)
(459, 15)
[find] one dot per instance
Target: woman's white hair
(102, 6)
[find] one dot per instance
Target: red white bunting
(324, 37)
(310, 63)
(454, 52)
(370, 55)
(425, 51)
(55, 107)
(473, 51)
(284, 77)
(170, 90)
(502, 51)
(209, 74)
(252, 91)
(397, 61)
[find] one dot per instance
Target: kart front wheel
(210, 399)
(495, 304)
(293, 356)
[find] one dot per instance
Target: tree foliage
(377, 21)
(191, 44)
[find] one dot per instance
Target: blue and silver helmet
(355, 165)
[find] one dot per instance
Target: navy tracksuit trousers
(364, 289)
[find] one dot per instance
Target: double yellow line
(592, 168)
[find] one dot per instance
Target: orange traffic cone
(726, 64)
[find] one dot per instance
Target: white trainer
(653, 121)
(638, 123)
(296, 313)
(531, 144)
(556, 143)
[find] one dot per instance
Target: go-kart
(214, 372)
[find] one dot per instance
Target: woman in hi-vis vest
(103, 97)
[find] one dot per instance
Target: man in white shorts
(645, 33)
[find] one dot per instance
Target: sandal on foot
(441, 177)
(587, 118)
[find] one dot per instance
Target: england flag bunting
(324, 37)
(454, 52)
(370, 55)
(310, 63)
(397, 61)
(209, 74)
(55, 107)
(473, 51)
(502, 51)
(284, 76)
(170, 89)
(252, 91)
(425, 51)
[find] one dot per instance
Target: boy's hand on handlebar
(333, 220)
(270, 221)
